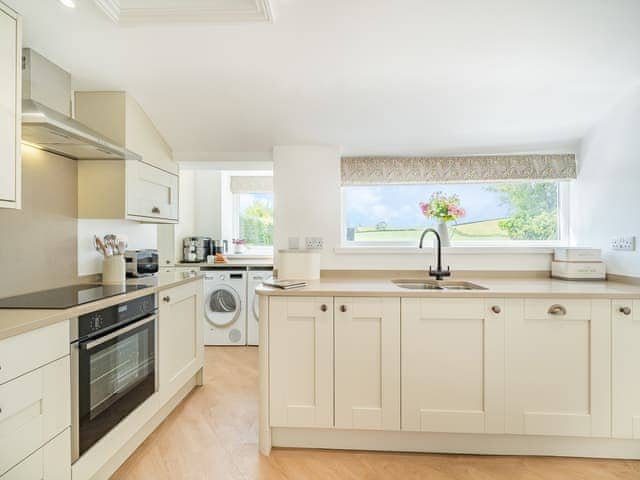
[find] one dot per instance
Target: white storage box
(577, 254)
(578, 270)
(298, 264)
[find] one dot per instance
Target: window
(494, 212)
(253, 219)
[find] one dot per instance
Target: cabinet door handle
(625, 310)
(557, 310)
(155, 210)
(343, 308)
(496, 309)
(323, 308)
(166, 299)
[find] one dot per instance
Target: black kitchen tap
(438, 272)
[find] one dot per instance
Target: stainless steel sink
(437, 285)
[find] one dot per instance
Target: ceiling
(374, 76)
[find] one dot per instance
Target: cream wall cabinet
(34, 408)
(51, 462)
(558, 367)
(301, 361)
(10, 108)
(131, 190)
(626, 369)
(180, 336)
(145, 191)
(453, 365)
(119, 117)
(367, 363)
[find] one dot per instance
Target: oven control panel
(92, 323)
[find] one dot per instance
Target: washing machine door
(223, 306)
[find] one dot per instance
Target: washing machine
(256, 277)
(225, 313)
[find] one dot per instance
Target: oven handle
(132, 326)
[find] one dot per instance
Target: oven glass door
(116, 373)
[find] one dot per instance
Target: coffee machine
(196, 249)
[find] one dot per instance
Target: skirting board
(478, 444)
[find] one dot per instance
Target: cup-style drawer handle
(323, 308)
(496, 309)
(557, 310)
(625, 310)
(155, 210)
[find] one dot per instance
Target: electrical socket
(313, 243)
(623, 243)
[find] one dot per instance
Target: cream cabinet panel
(119, 117)
(151, 192)
(34, 408)
(180, 336)
(51, 462)
(453, 365)
(626, 369)
(43, 344)
(10, 108)
(301, 361)
(367, 363)
(558, 363)
(130, 190)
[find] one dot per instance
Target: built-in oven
(114, 368)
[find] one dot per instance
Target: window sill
(453, 250)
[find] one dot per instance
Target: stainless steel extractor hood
(46, 120)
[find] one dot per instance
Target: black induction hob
(66, 297)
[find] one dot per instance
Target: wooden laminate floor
(213, 435)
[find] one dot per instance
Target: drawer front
(151, 192)
(31, 350)
(550, 308)
(35, 408)
(51, 462)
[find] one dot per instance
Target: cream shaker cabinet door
(34, 408)
(180, 336)
(51, 462)
(152, 193)
(301, 361)
(453, 365)
(10, 108)
(367, 363)
(558, 364)
(626, 369)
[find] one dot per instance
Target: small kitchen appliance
(196, 249)
(141, 263)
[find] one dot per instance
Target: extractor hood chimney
(46, 115)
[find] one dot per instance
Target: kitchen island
(532, 366)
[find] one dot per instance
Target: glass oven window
(114, 378)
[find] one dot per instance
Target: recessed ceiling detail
(135, 12)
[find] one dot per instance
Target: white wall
(607, 194)
(308, 203)
(139, 235)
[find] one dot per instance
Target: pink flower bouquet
(444, 208)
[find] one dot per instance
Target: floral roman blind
(476, 168)
(250, 184)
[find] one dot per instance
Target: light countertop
(230, 263)
(496, 287)
(17, 321)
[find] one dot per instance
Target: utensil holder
(113, 270)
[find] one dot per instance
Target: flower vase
(443, 231)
